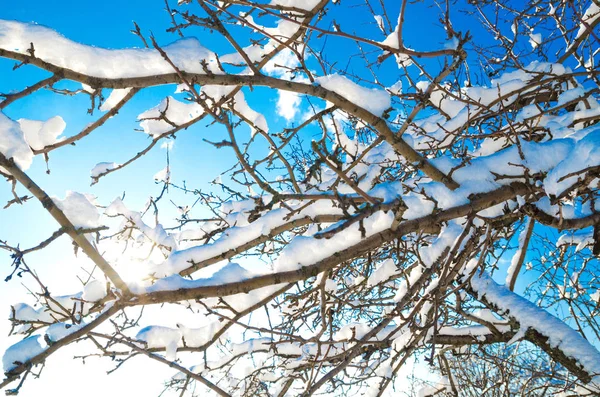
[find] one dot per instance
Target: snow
(535, 39)
(439, 129)
(391, 40)
(580, 239)
(237, 235)
(573, 148)
(302, 4)
(570, 95)
(57, 331)
(240, 105)
(78, 208)
(52, 47)
(451, 44)
(157, 337)
(396, 88)
(385, 270)
(284, 30)
(590, 16)
(39, 134)
(94, 291)
(24, 312)
(114, 98)
(445, 240)
(585, 154)
(417, 207)
(515, 259)
(355, 331)
(67, 302)
(156, 234)
(476, 177)
(374, 100)
(330, 286)
(88, 88)
(176, 112)
(13, 144)
(283, 61)
(196, 337)
(230, 273)
(101, 168)
(528, 315)
(21, 352)
(379, 21)
(170, 112)
(303, 251)
(538, 158)
(441, 386)
(474, 330)
(163, 175)
(350, 146)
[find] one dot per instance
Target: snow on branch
(371, 186)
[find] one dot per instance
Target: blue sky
(117, 140)
(105, 26)
(192, 160)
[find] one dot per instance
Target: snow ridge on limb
(138, 78)
(551, 334)
(52, 48)
(321, 261)
(60, 217)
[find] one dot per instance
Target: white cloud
(288, 104)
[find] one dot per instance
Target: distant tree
(389, 219)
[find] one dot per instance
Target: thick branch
(483, 201)
(79, 238)
(378, 123)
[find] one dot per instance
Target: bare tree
(391, 218)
